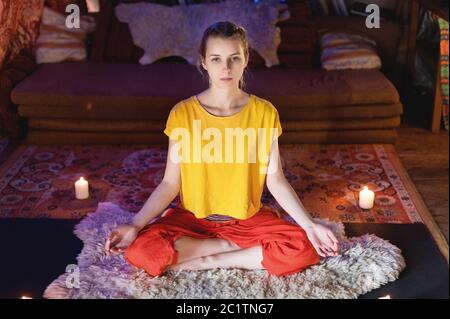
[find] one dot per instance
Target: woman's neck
(225, 100)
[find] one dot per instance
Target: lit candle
(26, 297)
(81, 188)
(366, 197)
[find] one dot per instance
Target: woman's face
(225, 62)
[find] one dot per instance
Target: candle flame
(26, 297)
(385, 297)
(365, 188)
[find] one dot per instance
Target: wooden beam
(412, 34)
(438, 104)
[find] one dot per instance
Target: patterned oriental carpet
(38, 181)
(39, 210)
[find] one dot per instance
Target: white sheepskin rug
(365, 263)
(178, 30)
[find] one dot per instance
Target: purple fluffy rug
(365, 263)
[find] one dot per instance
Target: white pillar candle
(366, 198)
(81, 188)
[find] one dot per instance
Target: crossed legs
(197, 254)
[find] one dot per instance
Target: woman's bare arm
(164, 193)
(322, 238)
(283, 192)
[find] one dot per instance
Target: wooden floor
(425, 156)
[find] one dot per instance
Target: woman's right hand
(120, 238)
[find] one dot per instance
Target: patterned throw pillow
(348, 51)
(58, 43)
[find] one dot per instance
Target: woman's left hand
(323, 240)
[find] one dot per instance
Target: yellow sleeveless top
(223, 159)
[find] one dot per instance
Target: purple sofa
(112, 99)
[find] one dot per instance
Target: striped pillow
(348, 51)
(58, 43)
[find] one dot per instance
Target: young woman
(214, 137)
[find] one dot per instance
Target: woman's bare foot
(248, 258)
(192, 248)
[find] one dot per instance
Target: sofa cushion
(160, 86)
(342, 50)
(384, 136)
(388, 37)
(133, 112)
(58, 43)
(146, 125)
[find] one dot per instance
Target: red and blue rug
(38, 181)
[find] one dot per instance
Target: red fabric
(19, 27)
(286, 248)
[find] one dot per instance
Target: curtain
(19, 26)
